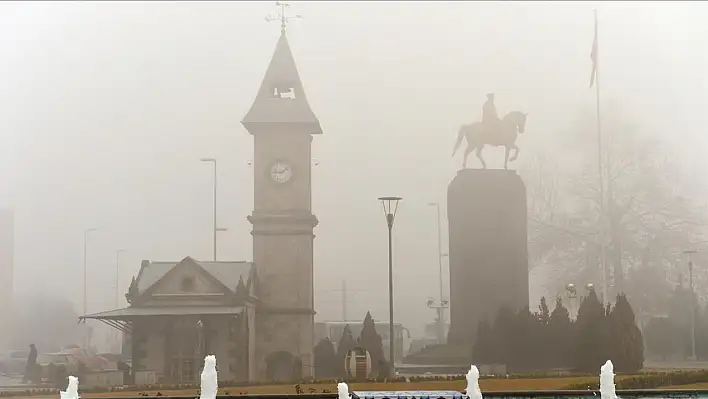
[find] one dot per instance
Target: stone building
(257, 318)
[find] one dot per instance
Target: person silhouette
(489, 114)
(31, 366)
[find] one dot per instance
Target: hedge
(652, 380)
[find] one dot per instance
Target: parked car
(13, 362)
(91, 359)
(55, 367)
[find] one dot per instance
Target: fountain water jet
(473, 391)
(343, 390)
(607, 381)
(209, 381)
(72, 390)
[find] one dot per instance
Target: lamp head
(390, 206)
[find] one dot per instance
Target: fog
(106, 109)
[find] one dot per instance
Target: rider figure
(489, 113)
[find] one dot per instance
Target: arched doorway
(280, 367)
(185, 344)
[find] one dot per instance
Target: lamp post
(443, 303)
(390, 206)
(117, 333)
(118, 252)
(693, 310)
(216, 229)
(86, 236)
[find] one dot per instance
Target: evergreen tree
(372, 342)
(325, 359)
(561, 334)
(702, 333)
(504, 334)
(661, 337)
(590, 350)
(627, 345)
(679, 312)
(483, 351)
(525, 346)
(544, 346)
(544, 316)
(346, 343)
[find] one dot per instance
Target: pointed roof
(281, 97)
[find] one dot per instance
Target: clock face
(281, 172)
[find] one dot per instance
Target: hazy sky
(106, 108)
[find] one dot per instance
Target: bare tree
(648, 221)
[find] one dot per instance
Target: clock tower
(282, 125)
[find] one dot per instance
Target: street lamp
(118, 252)
(216, 229)
(693, 310)
(117, 333)
(86, 235)
(390, 206)
(443, 303)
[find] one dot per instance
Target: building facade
(256, 318)
(7, 251)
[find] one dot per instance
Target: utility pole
(595, 81)
(87, 339)
(117, 332)
(443, 304)
(344, 300)
(693, 299)
(215, 229)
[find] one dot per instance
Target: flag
(593, 55)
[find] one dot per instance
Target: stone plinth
(487, 220)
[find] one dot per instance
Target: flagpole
(600, 168)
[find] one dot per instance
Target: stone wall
(284, 332)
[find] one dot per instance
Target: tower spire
(281, 98)
(282, 16)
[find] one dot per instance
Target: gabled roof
(274, 103)
(227, 273)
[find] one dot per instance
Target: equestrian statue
(492, 131)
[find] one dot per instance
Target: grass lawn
(486, 384)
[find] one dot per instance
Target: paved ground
(11, 383)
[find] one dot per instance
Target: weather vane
(282, 16)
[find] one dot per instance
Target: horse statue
(478, 135)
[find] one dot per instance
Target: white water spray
(343, 390)
(473, 391)
(72, 390)
(607, 381)
(209, 384)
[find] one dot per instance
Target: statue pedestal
(487, 219)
